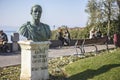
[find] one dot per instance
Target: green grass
(105, 66)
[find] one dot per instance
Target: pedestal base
(34, 60)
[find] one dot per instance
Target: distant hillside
(75, 33)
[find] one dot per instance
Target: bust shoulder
(45, 25)
(47, 29)
(23, 30)
(26, 24)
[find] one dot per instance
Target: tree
(102, 11)
(92, 11)
(110, 12)
(118, 3)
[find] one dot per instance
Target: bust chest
(40, 30)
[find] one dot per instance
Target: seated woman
(3, 41)
(67, 37)
(60, 36)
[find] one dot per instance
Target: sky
(56, 13)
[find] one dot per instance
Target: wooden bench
(82, 43)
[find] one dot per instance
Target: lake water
(9, 33)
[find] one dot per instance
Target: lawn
(105, 66)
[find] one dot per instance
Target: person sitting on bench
(3, 41)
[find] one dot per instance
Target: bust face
(36, 13)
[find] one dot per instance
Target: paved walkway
(7, 59)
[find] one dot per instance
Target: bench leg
(83, 50)
(96, 48)
(107, 46)
(79, 49)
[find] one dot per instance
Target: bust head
(36, 11)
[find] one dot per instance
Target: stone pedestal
(34, 60)
(15, 46)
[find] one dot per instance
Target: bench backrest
(91, 41)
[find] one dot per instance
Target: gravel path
(7, 59)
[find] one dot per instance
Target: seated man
(3, 41)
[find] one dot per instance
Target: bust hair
(38, 6)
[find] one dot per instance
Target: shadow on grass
(89, 73)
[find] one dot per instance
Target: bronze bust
(35, 30)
